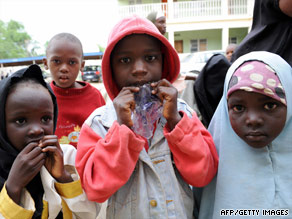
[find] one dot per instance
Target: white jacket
(68, 197)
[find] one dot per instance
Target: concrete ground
(100, 87)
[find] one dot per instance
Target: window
(203, 45)
(194, 45)
(198, 45)
(232, 40)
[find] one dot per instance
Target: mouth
(256, 136)
(63, 78)
(140, 83)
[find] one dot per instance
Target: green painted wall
(214, 37)
(239, 33)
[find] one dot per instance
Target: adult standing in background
(271, 30)
(159, 20)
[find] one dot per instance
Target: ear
(82, 65)
(45, 62)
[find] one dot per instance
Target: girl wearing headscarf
(37, 175)
(252, 132)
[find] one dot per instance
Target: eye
(46, 119)
(56, 61)
(238, 108)
(20, 121)
(150, 58)
(125, 60)
(270, 106)
(72, 62)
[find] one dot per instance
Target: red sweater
(74, 105)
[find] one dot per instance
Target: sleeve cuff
(69, 190)
(9, 209)
(182, 127)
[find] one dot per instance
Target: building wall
(217, 29)
(214, 37)
(239, 33)
(126, 2)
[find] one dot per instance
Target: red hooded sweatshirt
(108, 153)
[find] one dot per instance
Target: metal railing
(203, 8)
(192, 9)
(143, 9)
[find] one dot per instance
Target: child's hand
(168, 95)
(25, 167)
(54, 160)
(124, 104)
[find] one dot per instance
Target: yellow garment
(66, 197)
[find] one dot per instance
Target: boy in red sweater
(76, 100)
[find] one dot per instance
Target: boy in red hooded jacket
(143, 178)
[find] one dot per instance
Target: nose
(139, 67)
(254, 119)
(36, 130)
(64, 68)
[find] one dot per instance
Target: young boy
(76, 100)
(38, 178)
(230, 49)
(143, 178)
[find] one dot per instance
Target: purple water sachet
(148, 110)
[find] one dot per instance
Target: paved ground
(100, 87)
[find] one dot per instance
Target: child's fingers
(162, 82)
(125, 104)
(32, 151)
(29, 147)
(156, 86)
(49, 140)
(129, 89)
(27, 165)
(51, 149)
(132, 89)
(34, 156)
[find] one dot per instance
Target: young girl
(37, 176)
(252, 132)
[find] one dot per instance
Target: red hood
(137, 25)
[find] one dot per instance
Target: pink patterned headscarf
(256, 76)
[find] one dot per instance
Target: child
(140, 178)
(230, 50)
(76, 100)
(37, 176)
(252, 132)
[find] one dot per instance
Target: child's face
(136, 60)
(64, 59)
(229, 53)
(29, 114)
(257, 119)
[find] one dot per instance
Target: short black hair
(65, 36)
